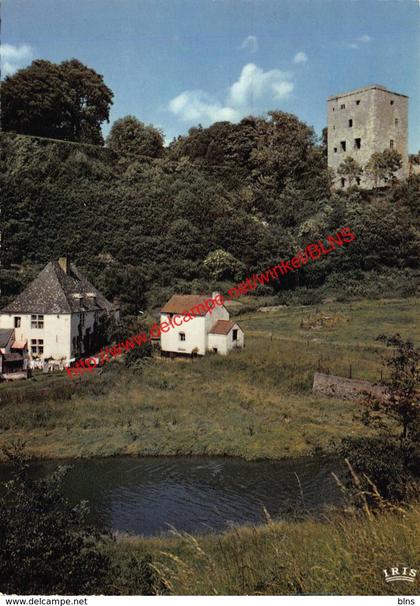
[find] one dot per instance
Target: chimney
(64, 263)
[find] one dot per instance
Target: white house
(58, 314)
(193, 328)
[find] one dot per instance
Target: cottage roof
(222, 327)
(19, 345)
(5, 335)
(55, 291)
(179, 304)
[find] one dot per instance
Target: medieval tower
(364, 121)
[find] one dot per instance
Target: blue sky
(177, 63)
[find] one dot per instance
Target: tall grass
(256, 403)
(344, 554)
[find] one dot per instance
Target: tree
(382, 166)
(221, 265)
(391, 458)
(350, 169)
(46, 544)
(130, 138)
(64, 101)
(401, 405)
(127, 283)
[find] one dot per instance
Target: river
(148, 496)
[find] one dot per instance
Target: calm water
(149, 495)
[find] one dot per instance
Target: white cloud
(300, 57)
(250, 44)
(253, 85)
(198, 106)
(363, 39)
(14, 57)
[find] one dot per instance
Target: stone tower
(364, 121)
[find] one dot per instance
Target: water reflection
(148, 495)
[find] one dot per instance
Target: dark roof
(222, 327)
(13, 357)
(179, 304)
(53, 290)
(5, 335)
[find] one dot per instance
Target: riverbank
(254, 404)
(343, 555)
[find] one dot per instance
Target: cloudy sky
(177, 63)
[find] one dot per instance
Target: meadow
(256, 403)
(345, 554)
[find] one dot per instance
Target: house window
(17, 321)
(396, 121)
(335, 150)
(391, 144)
(343, 106)
(357, 143)
(391, 102)
(357, 101)
(182, 336)
(358, 180)
(214, 349)
(37, 321)
(343, 182)
(333, 109)
(234, 335)
(350, 123)
(343, 145)
(37, 346)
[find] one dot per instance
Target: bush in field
(46, 544)
(391, 459)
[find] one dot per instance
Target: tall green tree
(63, 101)
(382, 166)
(350, 169)
(130, 138)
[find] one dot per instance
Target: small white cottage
(195, 329)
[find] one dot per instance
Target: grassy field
(255, 404)
(344, 555)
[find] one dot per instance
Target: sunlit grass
(345, 555)
(256, 403)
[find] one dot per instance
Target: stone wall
(345, 389)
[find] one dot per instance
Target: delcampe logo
(395, 574)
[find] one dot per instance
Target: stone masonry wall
(345, 389)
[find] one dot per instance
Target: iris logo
(395, 574)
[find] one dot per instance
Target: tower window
(335, 150)
(182, 336)
(350, 123)
(343, 146)
(343, 182)
(358, 102)
(391, 102)
(396, 121)
(358, 180)
(343, 106)
(357, 143)
(391, 144)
